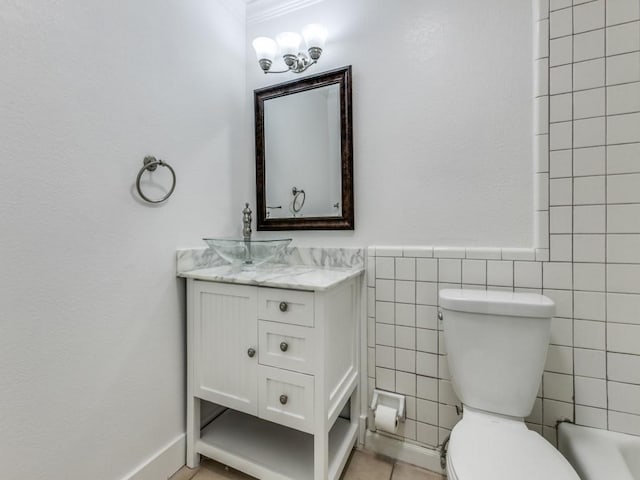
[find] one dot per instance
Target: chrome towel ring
(151, 163)
(299, 196)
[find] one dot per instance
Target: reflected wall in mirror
(304, 154)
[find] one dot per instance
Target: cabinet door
(224, 344)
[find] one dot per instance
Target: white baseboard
(164, 463)
(404, 451)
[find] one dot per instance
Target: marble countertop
(298, 277)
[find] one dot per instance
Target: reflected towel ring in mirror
(151, 163)
(297, 204)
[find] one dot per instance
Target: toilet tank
(496, 345)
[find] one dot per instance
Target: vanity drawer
(286, 346)
(286, 306)
(286, 398)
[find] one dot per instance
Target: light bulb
(315, 35)
(289, 43)
(265, 48)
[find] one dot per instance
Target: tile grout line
(438, 357)
(548, 239)
(606, 199)
(603, 57)
(415, 324)
(592, 117)
(573, 180)
(590, 146)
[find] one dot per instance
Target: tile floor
(363, 465)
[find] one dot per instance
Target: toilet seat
(487, 447)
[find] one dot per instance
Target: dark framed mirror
(304, 153)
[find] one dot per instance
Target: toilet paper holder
(389, 399)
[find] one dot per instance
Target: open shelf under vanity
(267, 450)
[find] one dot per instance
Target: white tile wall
(560, 23)
(474, 272)
(561, 51)
(589, 219)
(594, 213)
(590, 363)
(624, 397)
(623, 98)
(591, 417)
(624, 422)
(588, 16)
(589, 45)
(559, 108)
(589, 276)
(623, 68)
(591, 392)
(587, 252)
(589, 305)
(623, 128)
(589, 132)
(620, 11)
(623, 308)
(623, 368)
(560, 161)
(558, 4)
(407, 345)
(588, 74)
(623, 337)
(623, 218)
(554, 411)
(589, 161)
(623, 38)
(589, 103)
(589, 334)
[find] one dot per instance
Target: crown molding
(262, 10)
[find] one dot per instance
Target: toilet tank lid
(497, 302)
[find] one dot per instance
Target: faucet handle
(246, 222)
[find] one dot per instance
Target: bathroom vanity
(277, 349)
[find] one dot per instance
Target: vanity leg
(321, 455)
(354, 414)
(193, 431)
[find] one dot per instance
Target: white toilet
(496, 347)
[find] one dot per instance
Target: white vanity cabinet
(284, 363)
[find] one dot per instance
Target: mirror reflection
(302, 157)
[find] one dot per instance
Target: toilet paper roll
(386, 419)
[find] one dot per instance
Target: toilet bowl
(496, 346)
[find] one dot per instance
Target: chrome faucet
(246, 223)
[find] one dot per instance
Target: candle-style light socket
(315, 52)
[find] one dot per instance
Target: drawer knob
(251, 352)
(284, 346)
(284, 306)
(283, 399)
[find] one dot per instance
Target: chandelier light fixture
(288, 43)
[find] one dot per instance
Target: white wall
(442, 95)
(91, 314)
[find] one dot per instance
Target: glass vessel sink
(247, 252)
